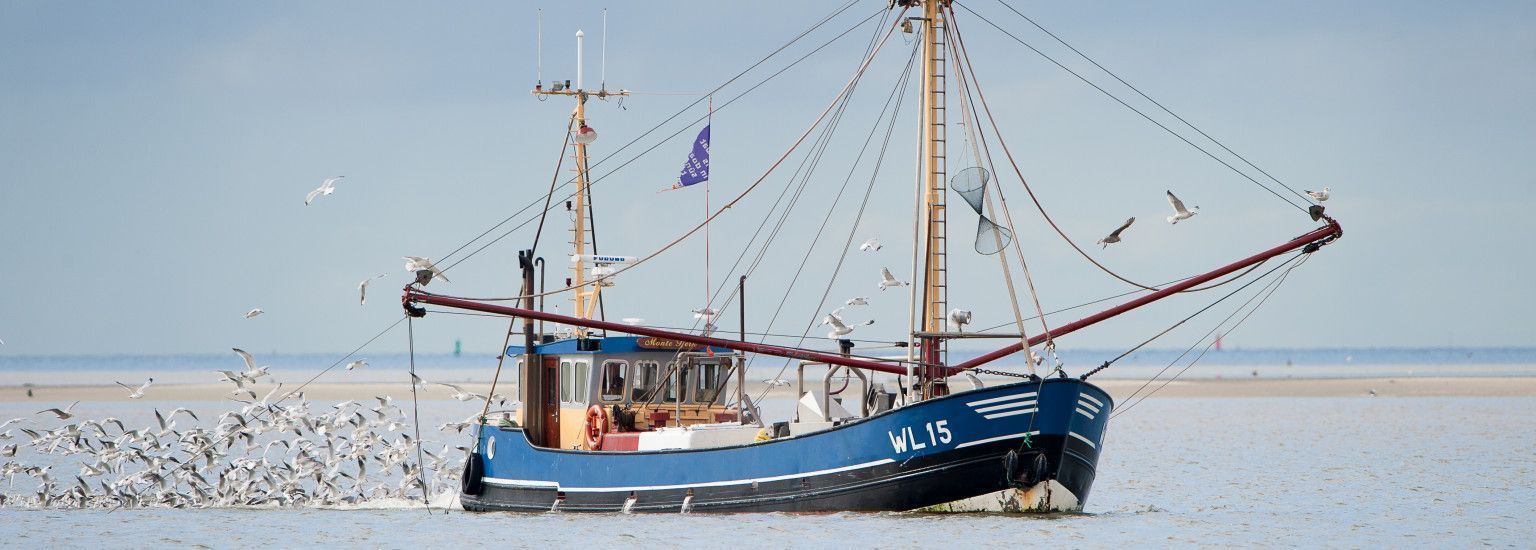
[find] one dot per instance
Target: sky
(154, 157)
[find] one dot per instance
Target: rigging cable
(1155, 102)
(980, 150)
(658, 125)
(1138, 111)
(658, 144)
(421, 467)
(1270, 288)
(1176, 325)
(729, 204)
(992, 121)
(895, 111)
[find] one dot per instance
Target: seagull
(1114, 236)
(362, 288)
(857, 301)
(871, 245)
(775, 382)
(326, 188)
(459, 393)
(958, 318)
(357, 364)
(839, 327)
(65, 414)
(705, 313)
(251, 370)
(137, 393)
(887, 280)
(634, 321)
(1320, 196)
(414, 264)
(253, 313)
(1179, 212)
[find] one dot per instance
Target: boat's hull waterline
(1037, 442)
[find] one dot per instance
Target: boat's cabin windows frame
(613, 380)
(676, 384)
(644, 378)
(574, 380)
(709, 379)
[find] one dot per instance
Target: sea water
(1319, 471)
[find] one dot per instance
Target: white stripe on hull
(503, 482)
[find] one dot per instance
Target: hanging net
(971, 185)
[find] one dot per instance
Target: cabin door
(550, 407)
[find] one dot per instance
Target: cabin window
(613, 380)
(565, 381)
(676, 380)
(707, 379)
(580, 388)
(645, 378)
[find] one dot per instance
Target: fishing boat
(626, 417)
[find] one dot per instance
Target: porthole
(490, 448)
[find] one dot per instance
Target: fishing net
(971, 185)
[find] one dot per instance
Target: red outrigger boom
(1314, 239)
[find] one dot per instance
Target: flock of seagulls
(264, 453)
(1181, 213)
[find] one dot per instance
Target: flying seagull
(326, 188)
(1114, 236)
(1179, 212)
(64, 414)
(857, 301)
(253, 313)
(357, 364)
(362, 288)
(415, 263)
(1320, 196)
(705, 313)
(887, 280)
(841, 328)
(871, 245)
(137, 393)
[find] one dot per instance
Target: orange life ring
(596, 426)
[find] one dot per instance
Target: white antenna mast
(579, 36)
(539, 72)
(603, 79)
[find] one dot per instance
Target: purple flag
(696, 169)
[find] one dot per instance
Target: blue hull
(937, 451)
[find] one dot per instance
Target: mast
(584, 298)
(932, 176)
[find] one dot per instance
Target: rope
(664, 122)
(967, 113)
(1138, 91)
(1181, 322)
(421, 466)
(1137, 111)
(858, 218)
(559, 163)
(1271, 288)
(729, 204)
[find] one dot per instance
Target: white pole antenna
(602, 84)
(539, 71)
(579, 36)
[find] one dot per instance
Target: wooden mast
(934, 212)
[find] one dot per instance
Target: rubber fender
(474, 471)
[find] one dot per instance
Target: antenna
(579, 36)
(539, 72)
(603, 78)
